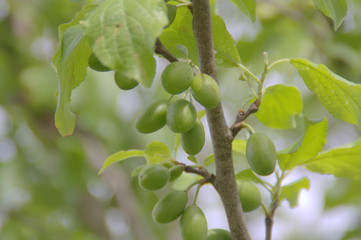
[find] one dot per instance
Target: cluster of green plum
(173, 205)
(261, 157)
(181, 115)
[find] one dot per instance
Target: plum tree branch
(225, 182)
(242, 115)
(201, 171)
(163, 51)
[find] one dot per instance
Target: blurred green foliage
(49, 187)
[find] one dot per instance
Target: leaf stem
(278, 62)
(248, 71)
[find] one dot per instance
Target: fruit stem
(197, 192)
(248, 127)
(193, 184)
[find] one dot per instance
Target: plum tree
(198, 43)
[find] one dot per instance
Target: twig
(242, 115)
(269, 220)
(161, 50)
(201, 171)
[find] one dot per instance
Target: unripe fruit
(124, 82)
(261, 154)
(153, 177)
(193, 224)
(177, 77)
(249, 195)
(175, 172)
(181, 116)
(218, 234)
(172, 11)
(95, 64)
(206, 91)
(170, 207)
(154, 118)
(193, 140)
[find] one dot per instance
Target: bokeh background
(49, 187)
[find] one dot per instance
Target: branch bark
(225, 182)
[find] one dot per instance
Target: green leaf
(70, 62)
(291, 191)
(183, 50)
(343, 191)
(137, 170)
(309, 146)
(123, 34)
(248, 7)
(181, 33)
(340, 97)
(341, 162)
(334, 9)
(177, 141)
(201, 114)
(209, 160)
(192, 159)
(280, 104)
(120, 156)
(224, 44)
(239, 146)
(248, 175)
(157, 152)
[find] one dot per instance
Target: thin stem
(252, 90)
(248, 127)
(197, 192)
(278, 62)
(193, 184)
(249, 72)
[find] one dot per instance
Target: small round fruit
(249, 195)
(95, 64)
(170, 207)
(153, 177)
(172, 11)
(154, 118)
(175, 172)
(218, 234)
(261, 154)
(177, 77)
(124, 82)
(206, 91)
(193, 140)
(181, 116)
(193, 224)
